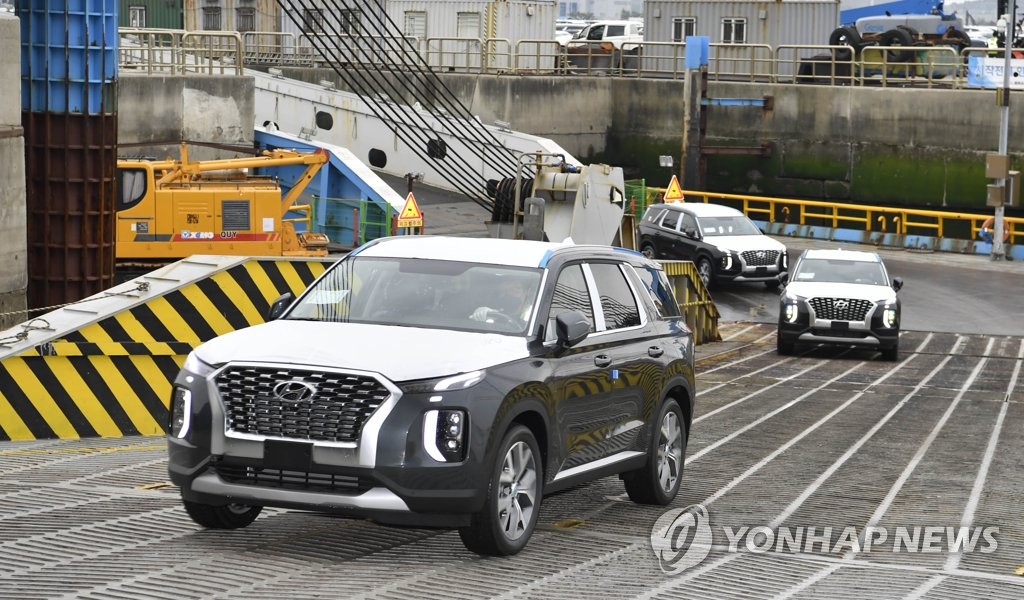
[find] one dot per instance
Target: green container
(151, 14)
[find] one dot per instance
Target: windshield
(738, 225)
(423, 293)
(840, 271)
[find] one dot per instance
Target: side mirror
(691, 233)
(280, 305)
(897, 283)
(571, 328)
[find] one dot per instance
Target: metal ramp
(103, 366)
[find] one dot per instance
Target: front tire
(229, 516)
(892, 353)
(705, 271)
(506, 522)
(658, 481)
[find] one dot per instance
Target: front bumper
(869, 332)
(387, 475)
(734, 267)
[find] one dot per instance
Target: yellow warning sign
(410, 215)
(673, 193)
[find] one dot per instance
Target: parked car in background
(720, 241)
(442, 382)
(565, 30)
(840, 297)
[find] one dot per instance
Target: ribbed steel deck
(836, 441)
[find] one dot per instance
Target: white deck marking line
(689, 575)
(694, 457)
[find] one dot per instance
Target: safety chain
(142, 286)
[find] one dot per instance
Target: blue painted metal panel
(349, 209)
(899, 7)
(68, 56)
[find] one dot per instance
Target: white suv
(840, 297)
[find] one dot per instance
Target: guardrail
(165, 50)
(178, 52)
(872, 219)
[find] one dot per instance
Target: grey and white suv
(450, 382)
(719, 240)
(840, 297)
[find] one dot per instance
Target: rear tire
(505, 523)
(648, 251)
(229, 516)
(658, 481)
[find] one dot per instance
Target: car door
(598, 382)
(689, 237)
(668, 243)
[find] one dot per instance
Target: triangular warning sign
(673, 193)
(411, 210)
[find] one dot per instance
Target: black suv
(447, 382)
(720, 241)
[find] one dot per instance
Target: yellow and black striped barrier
(694, 300)
(104, 367)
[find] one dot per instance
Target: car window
(671, 219)
(657, 285)
(840, 271)
(738, 225)
(654, 214)
(689, 223)
(617, 300)
(570, 294)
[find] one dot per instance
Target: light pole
(998, 251)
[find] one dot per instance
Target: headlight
(790, 308)
(785, 260)
(727, 261)
(890, 315)
(180, 413)
(455, 382)
(444, 434)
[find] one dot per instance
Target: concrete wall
(13, 249)
(916, 147)
(161, 111)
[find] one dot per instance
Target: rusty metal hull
(70, 164)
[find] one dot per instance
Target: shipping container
(772, 24)
(150, 14)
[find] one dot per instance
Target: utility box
(997, 166)
(995, 197)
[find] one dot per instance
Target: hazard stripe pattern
(113, 378)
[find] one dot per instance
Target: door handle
(602, 360)
(655, 351)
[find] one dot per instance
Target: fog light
(444, 435)
(180, 413)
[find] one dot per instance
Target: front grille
(336, 412)
(841, 309)
(760, 258)
(294, 480)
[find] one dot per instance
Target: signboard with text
(987, 72)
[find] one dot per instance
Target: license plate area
(287, 456)
(840, 324)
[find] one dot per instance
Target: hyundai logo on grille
(840, 304)
(760, 253)
(294, 391)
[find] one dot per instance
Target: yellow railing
(694, 300)
(904, 221)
